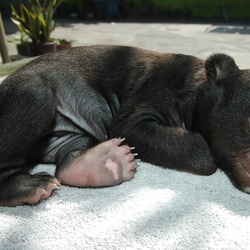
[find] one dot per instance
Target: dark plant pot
(22, 49)
(64, 46)
(36, 49)
(106, 8)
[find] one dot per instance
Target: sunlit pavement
(200, 39)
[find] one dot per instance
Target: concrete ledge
(2, 78)
(7, 68)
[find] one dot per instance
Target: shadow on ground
(230, 29)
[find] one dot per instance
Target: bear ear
(220, 66)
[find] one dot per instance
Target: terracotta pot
(64, 46)
(36, 49)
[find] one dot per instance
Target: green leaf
(36, 20)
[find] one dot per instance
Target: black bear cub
(91, 110)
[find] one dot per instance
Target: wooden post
(3, 46)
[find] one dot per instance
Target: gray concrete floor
(195, 39)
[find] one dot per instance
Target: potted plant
(36, 21)
(21, 44)
(62, 44)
